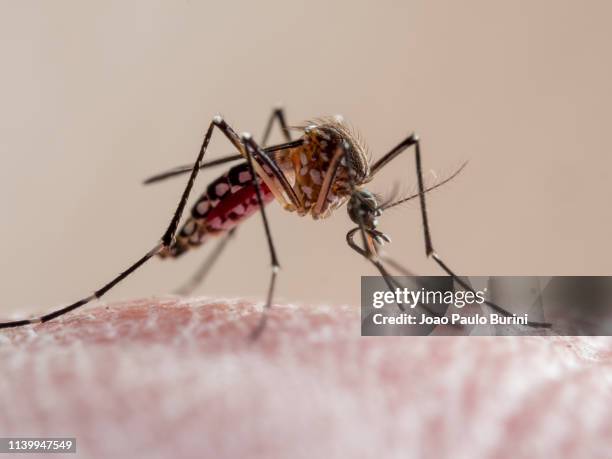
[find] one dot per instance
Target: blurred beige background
(96, 96)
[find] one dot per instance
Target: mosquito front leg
(413, 140)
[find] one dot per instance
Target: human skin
(180, 378)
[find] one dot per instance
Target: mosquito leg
(207, 265)
(369, 257)
(429, 250)
(277, 114)
(251, 148)
(492, 305)
(272, 175)
(97, 294)
(391, 282)
(413, 140)
(166, 240)
(368, 251)
(180, 170)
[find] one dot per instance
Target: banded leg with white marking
(166, 240)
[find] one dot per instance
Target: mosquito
(327, 167)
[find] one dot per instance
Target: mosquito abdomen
(228, 201)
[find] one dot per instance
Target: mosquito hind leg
(166, 240)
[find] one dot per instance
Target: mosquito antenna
(427, 190)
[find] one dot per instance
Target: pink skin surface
(179, 378)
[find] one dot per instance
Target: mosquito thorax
(312, 162)
(363, 207)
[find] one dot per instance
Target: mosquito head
(363, 207)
